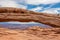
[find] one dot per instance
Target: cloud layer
(10, 3)
(52, 10)
(36, 2)
(34, 5)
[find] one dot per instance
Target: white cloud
(10, 3)
(14, 3)
(36, 9)
(47, 10)
(36, 2)
(52, 11)
(22, 6)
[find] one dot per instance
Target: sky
(47, 6)
(19, 23)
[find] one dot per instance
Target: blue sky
(48, 6)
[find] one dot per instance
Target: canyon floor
(31, 33)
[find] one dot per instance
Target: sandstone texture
(32, 33)
(22, 15)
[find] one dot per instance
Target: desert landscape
(30, 33)
(22, 15)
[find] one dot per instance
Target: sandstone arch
(22, 15)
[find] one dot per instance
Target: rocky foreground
(22, 15)
(32, 33)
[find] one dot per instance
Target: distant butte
(22, 15)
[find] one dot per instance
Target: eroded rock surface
(32, 33)
(22, 15)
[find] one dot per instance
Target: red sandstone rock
(22, 15)
(33, 33)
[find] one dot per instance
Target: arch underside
(52, 20)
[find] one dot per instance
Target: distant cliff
(22, 15)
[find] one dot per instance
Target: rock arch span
(22, 15)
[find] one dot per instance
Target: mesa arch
(22, 15)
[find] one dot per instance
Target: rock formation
(32, 33)
(22, 15)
